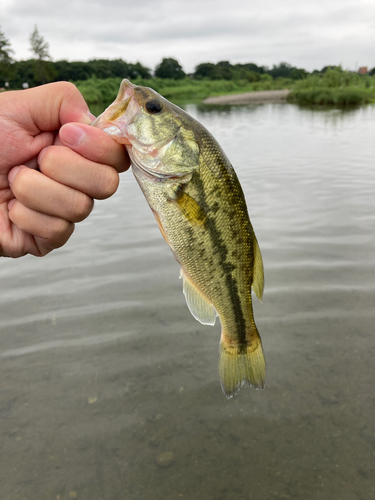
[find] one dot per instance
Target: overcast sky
(309, 34)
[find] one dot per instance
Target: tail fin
(238, 365)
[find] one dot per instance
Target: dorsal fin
(199, 306)
(258, 273)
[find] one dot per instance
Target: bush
(349, 96)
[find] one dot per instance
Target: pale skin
(52, 167)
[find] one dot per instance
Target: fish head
(159, 139)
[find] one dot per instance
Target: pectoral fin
(258, 275)
(199, 306)
(190, 208)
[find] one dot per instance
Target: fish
(200, 208)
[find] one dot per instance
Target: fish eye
(153, 106)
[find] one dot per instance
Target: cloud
(308, 35)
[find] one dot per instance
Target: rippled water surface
(109, 388)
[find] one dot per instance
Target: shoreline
(258, 97)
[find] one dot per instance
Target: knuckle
(68, 88)
(81, 207)
(21, 182)
(48, 162)
(60, 232)
(108, 184)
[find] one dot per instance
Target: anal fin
(199, 306)
(258, 273)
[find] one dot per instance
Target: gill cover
(161, 141)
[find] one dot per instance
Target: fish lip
(96, 122)
(118, 109)
(110, 120)
(110, 129)
(105, 121)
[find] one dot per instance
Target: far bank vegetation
(99, 79)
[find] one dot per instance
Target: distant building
(363, 70)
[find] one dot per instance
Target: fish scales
(200, 208)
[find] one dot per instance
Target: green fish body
(200, 208)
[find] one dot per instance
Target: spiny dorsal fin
(258, 273)
(199, 306)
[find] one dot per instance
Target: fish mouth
(105, 123)
(109, 121)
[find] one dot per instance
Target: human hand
(76, 162)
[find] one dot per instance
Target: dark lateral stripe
(227, 267)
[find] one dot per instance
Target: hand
(76, 162)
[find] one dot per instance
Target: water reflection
(109, 388)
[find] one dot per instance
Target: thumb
(62, 103)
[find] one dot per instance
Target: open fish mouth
(109, 121)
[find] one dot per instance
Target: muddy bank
(250, 97)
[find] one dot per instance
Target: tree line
(41, 69)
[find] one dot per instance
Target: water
(109, 388)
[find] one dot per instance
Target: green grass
(349, 96)
(178, 91)
(334, 88)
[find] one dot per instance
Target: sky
(308, 35)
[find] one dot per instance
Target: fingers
(44, 195)
(62, 103)
(80, 164)
(95, 145)
(48, 202)
(67, 167)
(48, 232)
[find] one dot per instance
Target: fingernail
(90, 115)
(13, 173)
(11, 203)
(72, 135)
(41, 154)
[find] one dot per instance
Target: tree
(44, 71)
(6, 60)
(169, 68)
(298, 74)
(5, 49)
(204, 70)
(137, 70)
(39, 46)
(281, 70)
(224, 70)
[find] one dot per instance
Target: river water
(109, 388)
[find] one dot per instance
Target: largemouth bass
(198, 203)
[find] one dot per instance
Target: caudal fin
(238, 365)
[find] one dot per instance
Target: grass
(178, 91)
(335, 87)
(325, 96)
